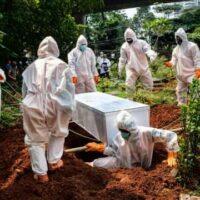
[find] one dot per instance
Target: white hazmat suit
(138, 148)
(47, 106)
(133, 56)
(186, 59)
(2, 80)
(83, 66)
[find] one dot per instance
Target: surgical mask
(129, 40)
(83, 47)
(125, 134)
(179, 40)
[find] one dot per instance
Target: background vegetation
(24, 23)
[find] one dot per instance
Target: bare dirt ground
(78, 181)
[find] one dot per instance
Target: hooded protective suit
(47, 105)
(138, 149)
(2, 80)
(83, 65)
(186, 59)
(134, 57)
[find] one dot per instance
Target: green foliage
(189, 159)
(159, 70)
(195, 36)
(9, 116)
(10, 106)
(158, 27)
(107, 85)
(83, 6)
(164, 96)
(168, 9)
(143, 14)
(1, 32)
(1, 36)
(27, 22)
(189, 20)
(105, 30)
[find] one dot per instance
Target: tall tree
(158, 27)
(189, 19)
(105, 30)
(168, 9)
(195, 35)
(143, 14)
(27, 22)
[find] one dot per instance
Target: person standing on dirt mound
(134, 145)
(133, 54)
(186, 59)
(82, 62)
(47, 107)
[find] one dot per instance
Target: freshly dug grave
(78, 181)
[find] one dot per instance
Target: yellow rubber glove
(197, 73)
(96, 79)
(95, 147)
(171, 159)
(74, 80)
(168, 64)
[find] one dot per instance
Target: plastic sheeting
(96, 112)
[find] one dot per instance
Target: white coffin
(96, 112)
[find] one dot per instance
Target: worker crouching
(134, 145)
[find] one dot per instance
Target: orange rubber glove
(1, 78)
(168, 64)
(93, 146)
(74, 80)
(96, 79)
(197, 73)
(171, 159)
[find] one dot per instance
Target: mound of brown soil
(164, 116)
(78, 181)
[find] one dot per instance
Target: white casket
(96, 112)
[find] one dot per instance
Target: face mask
(179, 40)
(125, 134)
(83, 47)
(129, 40)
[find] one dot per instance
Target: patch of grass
(164, 96)
(9, 116)
(159, 70)
(118, 88)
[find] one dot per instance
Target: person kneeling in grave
(134, 145)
